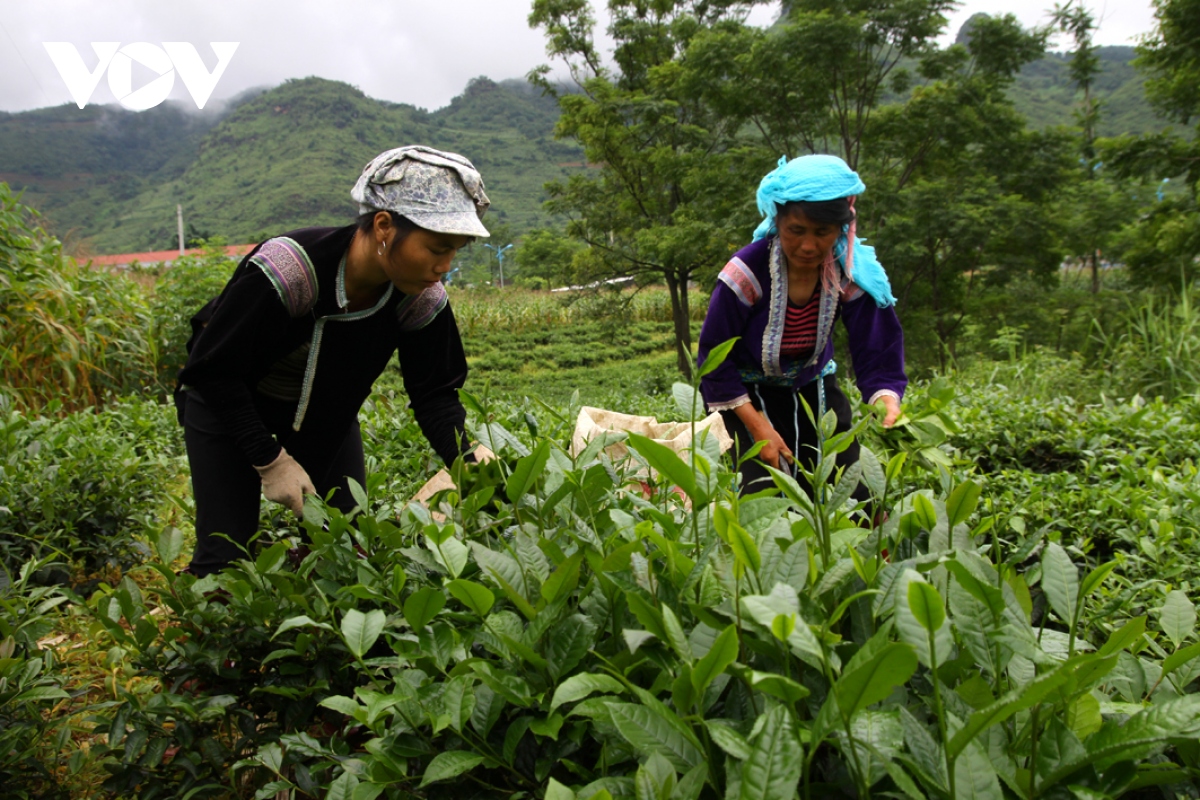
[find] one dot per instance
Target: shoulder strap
(291, 272)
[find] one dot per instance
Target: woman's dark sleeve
(876, 346)
(249, 321)
(722, 388)
(434, 368)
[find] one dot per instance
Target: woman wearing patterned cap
(280, 363)
(781, 295)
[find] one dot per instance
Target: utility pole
(500, 258)
(179, 221)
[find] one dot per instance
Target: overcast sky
(412, 51)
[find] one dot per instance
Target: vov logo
(164, 61)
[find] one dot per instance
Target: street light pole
(500, 251)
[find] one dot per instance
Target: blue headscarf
(816, 178)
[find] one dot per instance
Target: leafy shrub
(556, 631)
(85, 487)
(1158, 350)
(29, 686)
(67, 334)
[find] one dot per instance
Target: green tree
(962, 192)
(1166, 244)
(1095, 202)
(669, 200)
(813, 82)
(550, 256)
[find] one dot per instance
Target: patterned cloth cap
(439, 191)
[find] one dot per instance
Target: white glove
(285, 481)
(483, 455)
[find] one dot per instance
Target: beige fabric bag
(592, 422)
(675, 435)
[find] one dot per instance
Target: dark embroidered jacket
(278, 331)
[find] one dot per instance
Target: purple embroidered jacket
(750, 301)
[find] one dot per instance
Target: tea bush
(30, 687)
(562, 626)
(87, 487)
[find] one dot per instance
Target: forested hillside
(1043, 93)
(109, 179)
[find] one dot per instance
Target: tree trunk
(1095, 272)
(679, 315)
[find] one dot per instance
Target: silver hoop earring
(380, 250)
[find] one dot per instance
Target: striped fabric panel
(800, 328)
(738, 277)
(291, 272)
(416, 311)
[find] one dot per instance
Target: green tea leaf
(873, 476)
(1083, 716)
(578, 687)
(667, 463)
(683, 693)
(359, 494)
(716, 357)
(1179, 658)
(343, 787)
(1096, 577)
(744, 548)
(1021, 698)
(474, 596)
(527, 471)
(345, 705)
(675, 635)
(779, 686)
(568, 643)
(556, 791)
(1060, 582)
(926, 512)
(647, 614)
(649, 732)
(873, 681)
(564, 579)
(1177, 617)
(895, 466)
(962, 501)
(471, 403)
(926, 605)
(451, 554)
(975, 777)
(422, 606)
(300, 621)
(361, 630)
(169, 545)
(728, 739)
(723, 653)
(687, 401)
(450, 764)
(772, 770)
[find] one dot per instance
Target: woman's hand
(891, 410)
(775, 452)
(285, 481)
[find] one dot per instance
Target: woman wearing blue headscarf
(780, 296)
